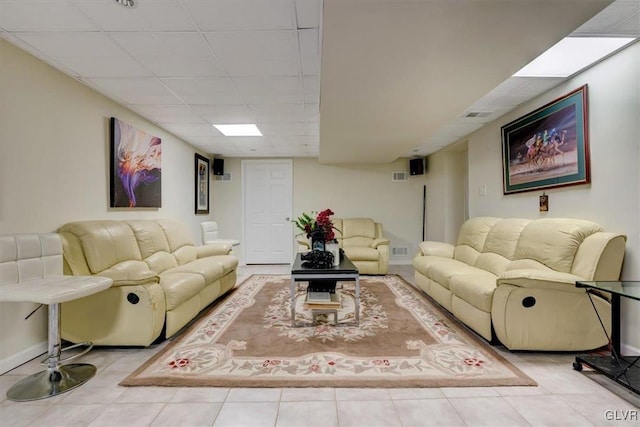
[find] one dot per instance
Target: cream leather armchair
(363, 242)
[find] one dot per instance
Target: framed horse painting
(547, 147)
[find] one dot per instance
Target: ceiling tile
(309, 52)
(253, 53)
(265, 113)
(265, 90)
(74, 45)
(182, 68)
(136, 91)
(180, 114)
(286, 129)
(204, 91)
(32, 15)
(106, 67)
(155, 15)
(221, 15)
(163, 45)
(224, 114)
(308, 13)
(192, 129)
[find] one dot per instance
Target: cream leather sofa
(363, 243)
(160, 279)
(516, 278)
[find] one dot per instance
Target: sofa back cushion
(179, 239)
(356, 231)
(554, 241)
(472, 237)
(104, 243)
(153, 245)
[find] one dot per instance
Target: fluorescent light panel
(571, 55)
(239, 130)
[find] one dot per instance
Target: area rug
(403, 340)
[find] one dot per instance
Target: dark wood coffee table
(346, 271)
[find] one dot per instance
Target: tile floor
(564, 397)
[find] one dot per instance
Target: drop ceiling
(347, 81)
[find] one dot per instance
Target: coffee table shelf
(345, 271)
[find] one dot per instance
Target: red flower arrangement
(320, 225)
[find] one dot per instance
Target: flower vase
(334, 248)
(317, 241)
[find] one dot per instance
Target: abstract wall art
(202, 184)
(136, 167)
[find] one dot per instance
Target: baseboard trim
(629, 350)
(22, 357)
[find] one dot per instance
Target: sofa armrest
(441, 249)
(130, 273)
(380, 241)
(540, 279)
(212, 249)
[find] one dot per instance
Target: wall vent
(399, 251)
(399, 176)
(224, 177)
(478, 114)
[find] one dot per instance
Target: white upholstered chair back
(209, 231)
(29, 256)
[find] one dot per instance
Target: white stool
(31, 270)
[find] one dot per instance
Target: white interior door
(267, 192)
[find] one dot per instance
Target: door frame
(243, 166)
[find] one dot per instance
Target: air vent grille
(399, 176)
(224, 177)
(399, 251)
(478, 114)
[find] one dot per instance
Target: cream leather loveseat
(363, 243)
(516, 277)
(160, 279)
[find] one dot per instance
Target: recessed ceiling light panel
(239, 130)
(571, 55)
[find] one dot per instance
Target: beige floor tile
(604, 409)
(307, 394)
(247, 414)
(187, 415)
(65, 415)
(415, 393)
(128, 414)
(147, 394)
(377, 413)
(424, 412)
(16, 415)
(547, 411)
(200, 394)
(308, 414)
(362, 394)
(452, 392)
(254, 395)
(487, 411)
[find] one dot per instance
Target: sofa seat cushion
(476, 289)
(361, 253)
(442, 272)
(228, 263)
(422, 263)
(206, 267)
(180, 287)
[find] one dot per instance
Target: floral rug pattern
(449, 357)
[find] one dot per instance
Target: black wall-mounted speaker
(218, 166)
(416, 166)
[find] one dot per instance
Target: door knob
(287, 219)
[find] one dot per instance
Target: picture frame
(135, 167)
(549, 147)
(202, 180)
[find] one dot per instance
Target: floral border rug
(403, 340)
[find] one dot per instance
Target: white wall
(613, 197)
(349, 190)
(54, 168)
